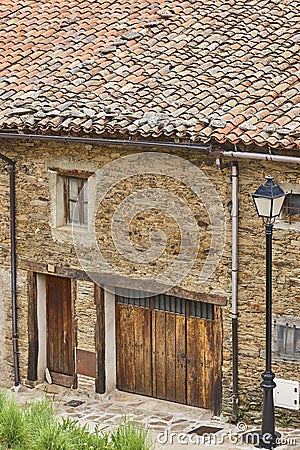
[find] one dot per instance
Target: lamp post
(268, 200)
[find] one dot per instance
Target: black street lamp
(268, 200)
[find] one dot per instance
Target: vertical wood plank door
(133, 349)
(168, 356)
(170, 349)
(60, 351)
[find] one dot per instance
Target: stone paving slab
(168, 422)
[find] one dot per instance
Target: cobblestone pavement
(170, 423)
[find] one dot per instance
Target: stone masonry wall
(286, 284)
(6, 361)
(5, 328)
(38, 240)
(85, 316)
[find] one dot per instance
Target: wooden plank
(74, 328)
(119, 281)
(147, 350)
(54, 327)
(73, 173)
(62, 379)
(153, 353)
(142, 345)
(180, 361)
(218, 344)
(191, 347)
(68, 360)
(32, 327)
(209, 364)
(159, 354)
(195, 362)
(170, 357)
(138, 322)
(34, 266)
(177, 291)
(125, 348)
(129, 354)
(119, 346)
(212, 362)
(204, 363)
(100, 381)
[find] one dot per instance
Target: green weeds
(129, 436)
(36, 427)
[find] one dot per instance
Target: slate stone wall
(39, 241)
(85, 319)
(5, 328)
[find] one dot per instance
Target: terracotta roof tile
(228, 70)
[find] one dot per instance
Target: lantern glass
(269, 199)
(263, 206)
(277, 206)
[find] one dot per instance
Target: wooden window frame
(81, 202)
(291, 213)
(287, 341)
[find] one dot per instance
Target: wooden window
(291, 207)
(75, 201)
(287, 340)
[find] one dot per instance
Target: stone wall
(286, 285)
(6, 361)
(6, 373)
(85, 316)
(38, 240)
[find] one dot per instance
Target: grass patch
(131, 436)
(36, 427)
(12, 425)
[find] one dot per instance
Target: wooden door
(133, 342)
(60, 348)
(169, 348)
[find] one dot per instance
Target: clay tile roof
(222, 69)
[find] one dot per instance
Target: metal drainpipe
(234, 276)
(251, 155)
(11, 167)
(234, 281)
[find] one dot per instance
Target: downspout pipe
(234, 282)
(11, 168)
(234, 277)
(251, 155)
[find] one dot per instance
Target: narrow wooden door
(60, 352)
(133, 346)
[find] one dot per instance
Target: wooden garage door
(169, 348)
